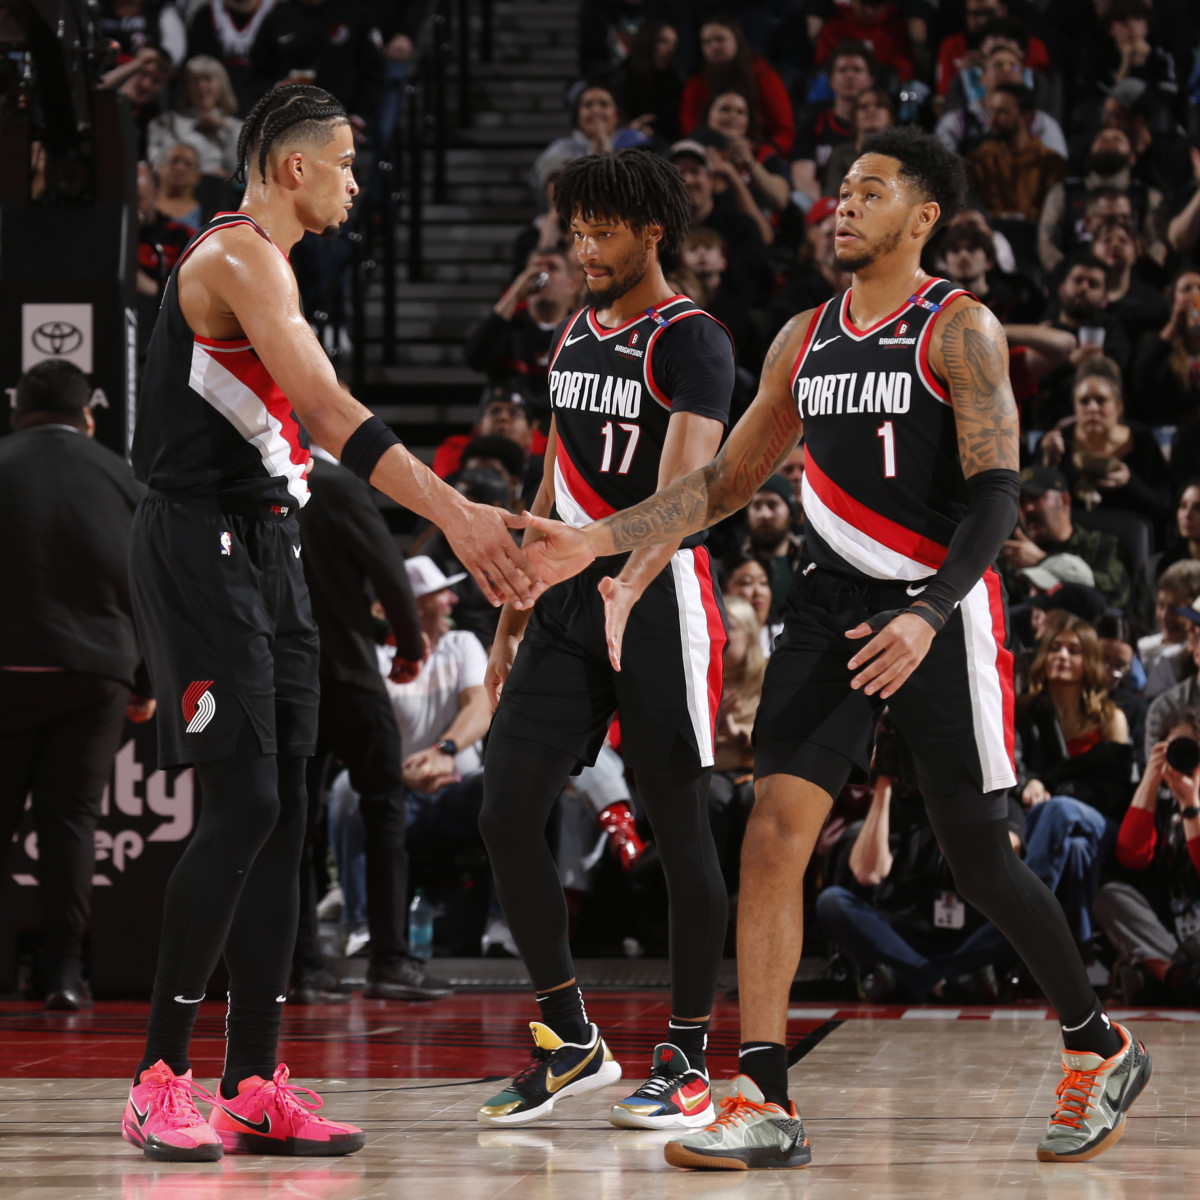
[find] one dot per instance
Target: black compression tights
(234, 891)
(990, 876)
(522, 780)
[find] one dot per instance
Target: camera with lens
(1183, 753)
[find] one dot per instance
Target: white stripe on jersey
(696, 644)
(859, 549)
(246, 412)
(569, 509)
(983, 682)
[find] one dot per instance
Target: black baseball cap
(1037, 481)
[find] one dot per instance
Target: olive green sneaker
(748, 1133)
(1093, 1098)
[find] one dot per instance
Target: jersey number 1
(634, 431)
(886, 432)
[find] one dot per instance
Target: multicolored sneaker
(674, 1097)
(1093, 1098)
(161, 1117)
(748, 1133)
(267, 1116)
(558, 1069)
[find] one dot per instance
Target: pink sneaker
(162, 1118)
(268, 1117)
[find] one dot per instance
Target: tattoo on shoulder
(782, 338)
(984, 409)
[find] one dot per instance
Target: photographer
(1152, 916)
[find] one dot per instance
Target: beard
(1106, 162)
(330, 232)
(1081, 311)
(858, 259)
(623, 279)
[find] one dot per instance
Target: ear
(290, 171)
(926, 218)
(652, 235)
(90, 422)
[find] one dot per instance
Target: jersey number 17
(610, 437)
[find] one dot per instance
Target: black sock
(766, 1063)
(1092, 1032)
(173, 1012)
(252, 1033)
(692, 1038)
(563, 1012)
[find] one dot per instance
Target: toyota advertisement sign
(56, 331)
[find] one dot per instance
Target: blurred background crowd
(1079, 125)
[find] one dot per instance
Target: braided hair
(633, 186)
(297, 107)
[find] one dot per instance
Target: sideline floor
(898, 1104)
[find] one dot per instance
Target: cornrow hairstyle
(294, 106)
(633, 186)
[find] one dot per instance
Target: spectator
(502, 457)
(727, 299)
(142, 81)
(828, 125)
(160, 243)
(135, 24)
(1183, 546)
(1126, 676)
(178, 178)
(1108, 463)
(815, 277)
(746, 577)
(1149, 915)
(503, 411)
(1127, 53)
(792, 469)
(963, 128)
(1164, 654)
(595, 128)
(1185, 694)
(69, 657)
(1161, 152)
(202, 119)
(1184, 230)
(874, 110)
(651, 85)
(347, 548)
(225, 30)
(1166, 365)
(1107, 188)
(609, 32)
(970, 261)
(760, 166)
(728, 66)
(770, 515)
(1074, 764)
(955, 53)
(516, 339)
(877, 24)
(1046, 528)
(1011, 171)
(1131, 301)
(547, 229)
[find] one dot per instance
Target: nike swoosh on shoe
(263, 1126)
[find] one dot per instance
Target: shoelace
(1074, 1098)
(540, 1057)
(660, 1081)
(179, 1098)
(736, 1109)
(289, 1100)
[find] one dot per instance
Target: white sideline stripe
(569, 509)
(697, 649)
(983, 683)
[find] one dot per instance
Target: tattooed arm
(761, 440)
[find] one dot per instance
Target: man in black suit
(347, 547)
(69, 658)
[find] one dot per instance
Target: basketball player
(223, 616)
(900, 388)
(640, 382)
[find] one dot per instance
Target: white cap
(426, 576)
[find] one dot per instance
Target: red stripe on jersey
(717, 636)
(602, 332)
(214, 343)
(581, 490)
(566, 330)
(249, 370)
(1004, 660)
(926, 372)
(808, 337)
(648, 372)
(852, 328)
(887, 532)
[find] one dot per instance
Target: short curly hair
(931, 171)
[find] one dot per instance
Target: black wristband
(366, 446)
(1192, 811)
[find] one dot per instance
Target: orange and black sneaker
(267, 1116)
(161, 1118)
(749, 1133)
(676, 1096)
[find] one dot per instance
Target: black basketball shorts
(955, 712)
(562, 690)
(223, 615)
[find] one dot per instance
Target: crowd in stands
(1078, 123)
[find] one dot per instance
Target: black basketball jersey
(883, 485)
(210, 420)
(612, 392)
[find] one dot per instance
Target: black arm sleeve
(991, 517)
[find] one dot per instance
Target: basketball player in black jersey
(900, 387)
(224, 618)
(640, 382)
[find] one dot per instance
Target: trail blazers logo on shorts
(198, 705)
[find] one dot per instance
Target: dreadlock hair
(927, 166)
(297, 107)
(634, 186)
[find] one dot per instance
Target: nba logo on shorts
(198, 705)
(901, 330)
(226, 543)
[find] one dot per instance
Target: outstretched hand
(483, 544)
(619, 598)
(559, 551)
(891, 656)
